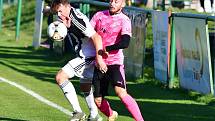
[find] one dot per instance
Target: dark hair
(55, 4)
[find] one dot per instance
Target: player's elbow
(125, 41)
(125, 45)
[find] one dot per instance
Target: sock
(91, 103)
(70, 93)
(105, 108)
(132, 107)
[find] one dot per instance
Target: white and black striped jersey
(80, 31)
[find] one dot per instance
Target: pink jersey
(110, 28)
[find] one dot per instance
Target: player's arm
(125, 37)
(83, 23)
(122, 44)
(97, 41)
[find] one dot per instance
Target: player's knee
(120, 92)
(60, 78)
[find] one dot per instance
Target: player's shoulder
(124, 17)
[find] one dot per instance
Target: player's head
(61, 8)
(116, 6)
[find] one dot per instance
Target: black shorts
(115, 76)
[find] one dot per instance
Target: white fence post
(38, 23)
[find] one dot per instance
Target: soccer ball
(57, 31)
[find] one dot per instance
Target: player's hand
(100, 64)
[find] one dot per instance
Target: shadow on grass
(160, 104)
(42, 64)
(154, 111)
(10, 119)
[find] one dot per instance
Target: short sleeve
(126, 26)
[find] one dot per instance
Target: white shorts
(80, 67)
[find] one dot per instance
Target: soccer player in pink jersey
(115, 29)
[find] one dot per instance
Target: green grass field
(35, 70)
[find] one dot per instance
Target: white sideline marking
(37, 96)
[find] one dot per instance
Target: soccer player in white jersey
(115, 29)
(80, 29)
